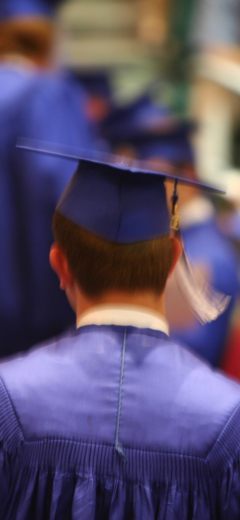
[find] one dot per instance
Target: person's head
(27, 29)
(116, 241)
(112, 235)
(101, 268)
(98, 86)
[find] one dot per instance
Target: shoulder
(208, 401)
(55, 87)
(69, 123)
(185, 401)
(28, 379)
(201, 384)
(41, 384)
(14, 83)
(23, 367)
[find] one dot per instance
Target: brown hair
(99, 266)
(29, 37)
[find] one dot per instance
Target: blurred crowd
(77, 109)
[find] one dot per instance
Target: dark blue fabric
(129, 119)
(18, 8)
(231, 226)
(117, 205)
(65, 409)
(176, 149)
(37, 106)
(205, 244)
(133, 121)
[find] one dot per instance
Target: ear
(177, 251)
(59, 264)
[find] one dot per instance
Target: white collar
(196, 211)
(16, 61)
(124, 315)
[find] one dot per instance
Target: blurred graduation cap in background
(151, 132)
(28, 8)
(124, 201)
(97, 82)
(173, 147)
(134, 121)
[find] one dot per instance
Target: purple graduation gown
(119, 423)
(45, 107)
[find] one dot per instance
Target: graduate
(35, 101)
(98, 85)
(114, 419)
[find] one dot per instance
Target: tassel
(206, 303)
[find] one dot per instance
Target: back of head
(27, 29)
(101, 266)
(114, 229)
(113, 226)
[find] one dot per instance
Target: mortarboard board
(118, 199)
(123, 201)
(22, 8)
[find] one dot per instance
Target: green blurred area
(104, 33)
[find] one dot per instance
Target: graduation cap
(123, 201)
(22, 8)
(130, 123)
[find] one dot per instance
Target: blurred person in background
(36, 102)
(229, 221)
(151, 133)
(98, 85)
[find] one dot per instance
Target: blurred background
(189, 50)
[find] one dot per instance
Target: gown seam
(117, 444)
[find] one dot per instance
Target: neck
(22, 61)
(152, 302)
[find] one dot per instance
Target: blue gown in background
(44, 107)
(119, 423)
(206, 245)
